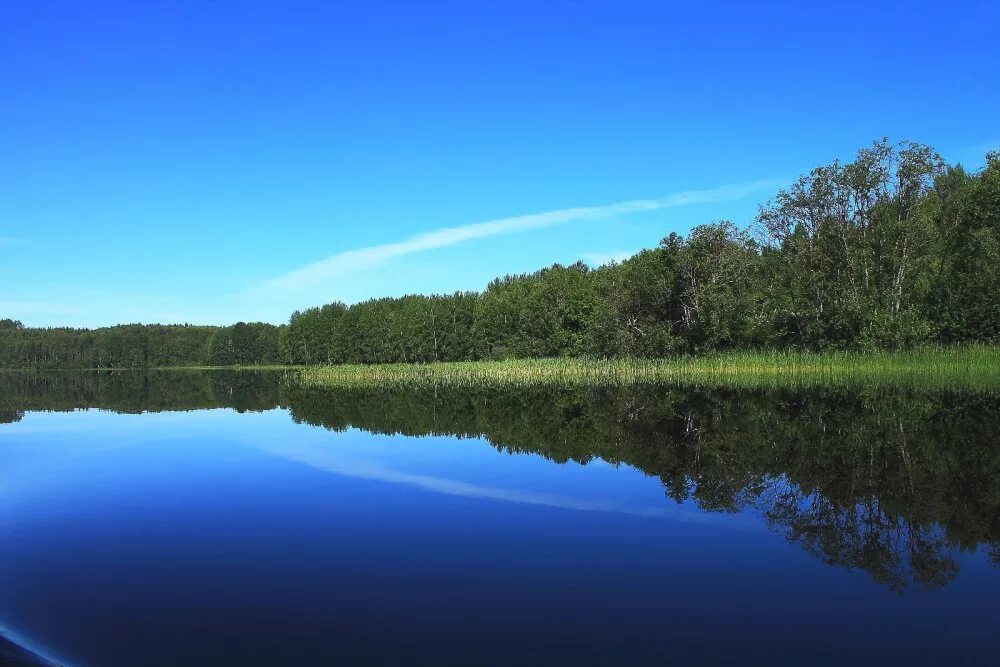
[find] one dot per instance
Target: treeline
(138, 346)
(891, 250)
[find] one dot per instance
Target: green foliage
(138, 346)
(411, 329)
(638, 305)
(549, 313)
(243, 344)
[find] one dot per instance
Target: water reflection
(894, 483)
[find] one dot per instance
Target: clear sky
(216, 161)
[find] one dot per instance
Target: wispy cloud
(14, 240)
(348, 261)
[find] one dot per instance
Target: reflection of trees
(864, 536)
(891, 483)
(135, 391)
(894, 483)
(11, 416)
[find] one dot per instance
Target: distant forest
(892, 250)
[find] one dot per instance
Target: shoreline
(960, 367)
(977, 367)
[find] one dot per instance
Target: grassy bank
(969, 367)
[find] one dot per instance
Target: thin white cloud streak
(13, 240)
(319, 455)
(365, 258)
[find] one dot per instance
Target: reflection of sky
(44, 446)
(120, 532)
(86, 476)
(47, 445)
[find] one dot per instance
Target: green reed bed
(974, 367)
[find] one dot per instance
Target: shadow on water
(895, 483)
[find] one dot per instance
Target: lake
(230, 518)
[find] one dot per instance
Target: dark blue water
(215, 537)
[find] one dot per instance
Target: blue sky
(216, 161)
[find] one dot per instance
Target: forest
(892, 250)
(138, 346)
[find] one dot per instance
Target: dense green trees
(410, 329)
(857, 245)
(546, 314)
(891, 250)
(138, 346)
(243, 344)
(884, 252)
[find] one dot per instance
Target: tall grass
(960, 367)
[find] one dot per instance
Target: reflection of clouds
(367, 470)
(52, 443)
(327, 457)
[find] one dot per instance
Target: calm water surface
(222, 518)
